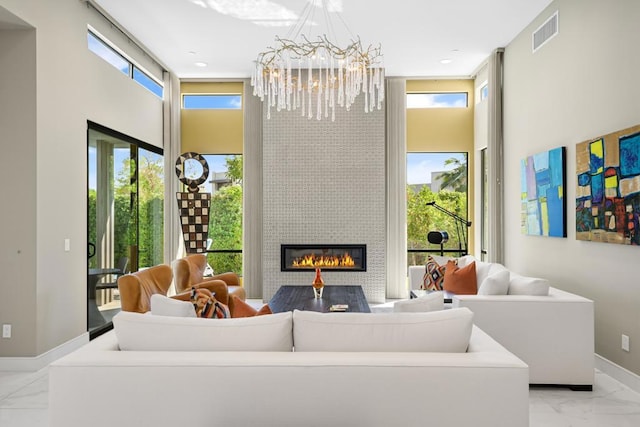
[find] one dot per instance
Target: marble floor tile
(610, 404)
(24, 418)
(10, 381)
(34, 395)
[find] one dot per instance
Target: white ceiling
(415, 34)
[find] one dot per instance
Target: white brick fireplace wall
(324, 183)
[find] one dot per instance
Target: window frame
(110, 46)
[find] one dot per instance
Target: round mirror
(192, 170)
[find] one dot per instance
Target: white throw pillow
(442, 260)
(522, 285)
(432, 301)
(482, 271)
(495, 284)
(465, 260)
(140, 332)
(445, 331)
(164, 306)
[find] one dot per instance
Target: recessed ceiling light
(446, 61)
(201, 64)
(191, 52)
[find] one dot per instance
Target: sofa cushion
(433, 275)
(445, 331)
(461, 281)
(164, 306)
(433, 301)
(496, 283)
(140, 332)
(523, 285)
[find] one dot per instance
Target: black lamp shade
(437, 237)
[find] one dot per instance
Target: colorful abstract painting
(608, 188)
(543, 203)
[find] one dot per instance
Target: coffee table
(289, 298)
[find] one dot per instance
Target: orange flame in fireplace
(323, 261)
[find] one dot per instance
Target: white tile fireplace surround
(324, 183)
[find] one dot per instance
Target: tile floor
(23, 403)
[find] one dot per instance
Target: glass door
(125, 217)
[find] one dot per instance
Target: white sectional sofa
(348, 369)
(551, 330)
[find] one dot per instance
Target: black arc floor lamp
(441, 237)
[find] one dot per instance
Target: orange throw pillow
(461, 281)
(240, 308)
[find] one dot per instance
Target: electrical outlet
(6, 331)
(67, 245)
(625, 342)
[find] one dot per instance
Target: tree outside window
(439, 177)
(225, 223)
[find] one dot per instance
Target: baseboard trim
(618, 373)
(36, 363)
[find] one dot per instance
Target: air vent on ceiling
(545, 32)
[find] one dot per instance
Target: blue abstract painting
(543, 203)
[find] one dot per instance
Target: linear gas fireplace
(328, 257)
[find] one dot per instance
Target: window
(212, 102)
(437, 100)
(484, 92)
(102, 48)
(146, 81)
(440, 178)
(105, 52)
(225, 219)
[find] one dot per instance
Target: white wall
(581, 85)
(73, 86)
(18, 186)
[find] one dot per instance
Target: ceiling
(415, 35)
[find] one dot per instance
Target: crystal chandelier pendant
(316, 76)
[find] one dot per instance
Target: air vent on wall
(545, 32)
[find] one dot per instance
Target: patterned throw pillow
(433, 276)
(207, 306)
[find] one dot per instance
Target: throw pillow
(465, 260)
(522, 285)
(433, 275)
(460, 281)
(207, 306)
(165, 306)
(433, 301)
(495, 284)
(239, 308)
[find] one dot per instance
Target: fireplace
(333, 257)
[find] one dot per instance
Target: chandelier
(316, 75)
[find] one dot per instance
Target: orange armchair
(188, 272)
(136, 288)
